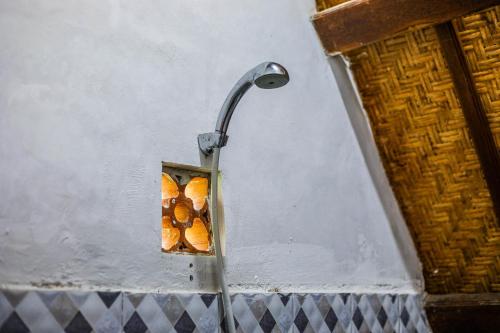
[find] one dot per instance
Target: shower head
(268, 75)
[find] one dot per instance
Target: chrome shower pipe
(268, 75)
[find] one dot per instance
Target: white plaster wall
(95, 94)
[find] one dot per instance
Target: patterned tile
(243, 314)
(36, 315)
(93, 308)
(5, 309)
(312, 312)
(104, 311)
(172, 308)
(60, 306)
(108, 298)
(197, 309)
(14, 324)
(267, 322)
(301, 321)
(78, 324)
(207, 299)
(185, 324)
(14, 296)
(412, 315)
(282, 310)
(135, 325)
(331, 320)
(103, 314)
(342, 305)
(370, 315)
(153, 316)
(108, 323)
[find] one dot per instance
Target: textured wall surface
(94, 95)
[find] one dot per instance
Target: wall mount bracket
(208, 141)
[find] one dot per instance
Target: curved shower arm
(230, 104)
(232, 100)
(208, 141)
(267, 75)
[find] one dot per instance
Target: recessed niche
(186, 224)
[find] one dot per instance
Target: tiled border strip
(77, 311)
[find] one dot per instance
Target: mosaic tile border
(77, 311)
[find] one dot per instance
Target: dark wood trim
(359, 22)
(467, 313)
(459, 300)
(473, 110)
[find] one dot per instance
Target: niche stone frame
(186, 222)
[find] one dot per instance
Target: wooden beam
(475, 116)
(458, 313)
(359, 22)
(458, 300)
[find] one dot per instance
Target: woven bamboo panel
(480, 38)
(429, 157)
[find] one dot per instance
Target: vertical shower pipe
(221, 275)
(267, 75)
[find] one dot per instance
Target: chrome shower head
(268, 75)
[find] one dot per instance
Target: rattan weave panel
(430, 160)
(480, 38)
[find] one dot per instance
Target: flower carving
(185, 217)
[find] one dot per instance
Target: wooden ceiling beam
(473, 110)
(355, 23)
